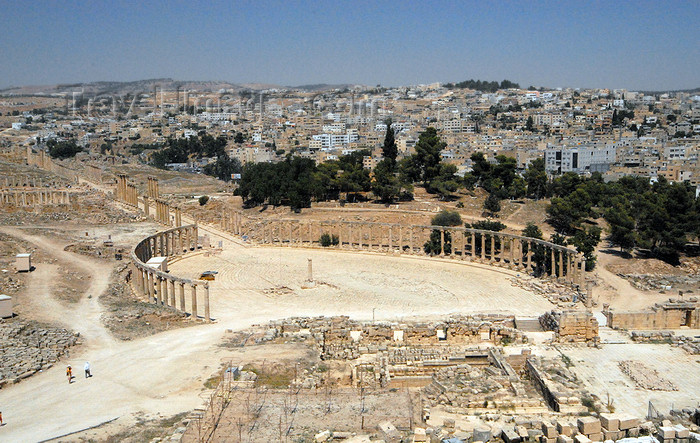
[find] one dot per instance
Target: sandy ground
(354, 284)
(599, 371)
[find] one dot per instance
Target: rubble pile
(559, 294)
(644, 377)
(690, 345)
(27, 347)
(663, 282)
(467, 387)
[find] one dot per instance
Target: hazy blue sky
(632, 44)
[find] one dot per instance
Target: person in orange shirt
(69, 373)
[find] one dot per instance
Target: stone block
(510, 436)
(667, 432)
(389, 432)
(482, 434)
(564, 439)
(535, 434)
(632, 432)
(449, 423)
(580, 438)
(419, 435)
(609, 435)
(596, 436)
(544, 439)
(322, 436)
(589, 425)
(628, 422)
(609, 422)
(564, 428)
(549, 430)
(522, 432)
(682, 431)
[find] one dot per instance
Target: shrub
(203, 200)
(327, 240)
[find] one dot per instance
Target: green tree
(492, 204)
(536, 178)
(446, 218)
(538, 257)
(223, 168)
(424, 165)
(585, 240)
(443, 218)
(529, 124)
(390, 150)
(445, 183)
(63, 149)
(385, 185)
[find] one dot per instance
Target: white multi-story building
(579, 159)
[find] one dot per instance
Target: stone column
(157, 288)
(410, 240)
(442, 241)
(528, 265)
(561, 263)
(194, 300)
(172, 292)
(207, 314)
(146, 207)
(554, 270)
(492, 258)
(400, 239)
(483, 247)
(182, 295)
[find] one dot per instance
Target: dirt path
(84, 317)
(617, 291)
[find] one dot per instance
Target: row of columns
(160, 287)
(169, 243)
(491, 247)
(16, 181)
(153, 188)
(126, 192)
(163, 212)
(34, 198)
(232, 222)
(166, 290)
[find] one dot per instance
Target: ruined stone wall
(669, 315)
(571, 326)
(26, 348)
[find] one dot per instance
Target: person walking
(87, 369)
(1, 423)
(69, 373)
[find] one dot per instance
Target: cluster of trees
(63, 149)
(483, 86)
(658, 217)
(297, 180)
(390, 180)
(618, 117)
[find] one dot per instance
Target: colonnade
(163, 212)
(126, 192)
(19, 197)
(232, 222)
(153, 188)
(495, 248)
(18, 181)
(162, 288)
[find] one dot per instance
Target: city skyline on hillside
(635, 45)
